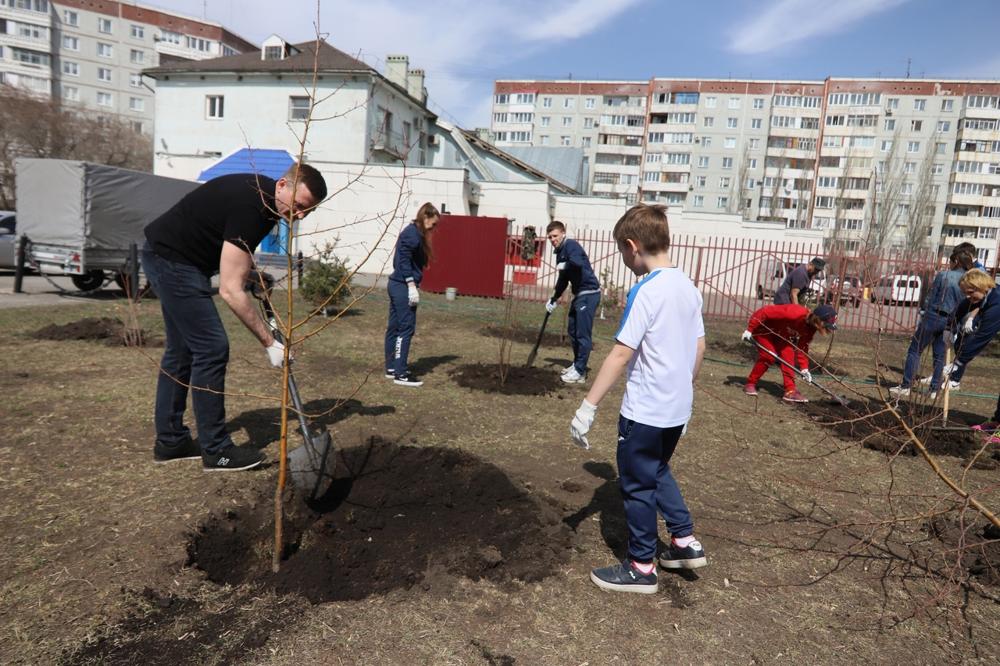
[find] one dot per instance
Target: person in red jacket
(785, 331)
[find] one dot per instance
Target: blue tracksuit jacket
(577, 273)
(409, 260)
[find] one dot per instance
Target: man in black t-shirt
(798, 279)
(213, 229)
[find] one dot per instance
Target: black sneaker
(389, 374)
(186, 450)
(623, 577)
(231, 459)
(690, 557)
(407, 380)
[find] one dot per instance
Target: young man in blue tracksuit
(659, 345)
(980, 312)
(413, 253)
(575, 271)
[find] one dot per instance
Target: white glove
(580, 425)
(412, 294)
(950, 368)
(952, 336)
(969, 320)
(806, 375)
(561, 266)
(276, 354)
(550, 306)
(747, 337)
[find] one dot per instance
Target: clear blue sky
(466, 44)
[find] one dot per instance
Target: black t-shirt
(238, 208)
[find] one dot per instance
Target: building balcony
(622, 130)
(657, 107)
(17, 41)
(973, 200)
(993, 114)
(614, 188)
(673, 127)
(977, 135)
(985, 178)
(970, 221)
(657, 186)
(26, 16)
(390, 145)
(609, 149)
(616, 168)
(796, 153)
(795, 132)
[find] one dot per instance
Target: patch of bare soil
(879, 430)
(104, 329)
(737, 349)
(979, 546)
(396, 518)
(519, 381)
(525, 334)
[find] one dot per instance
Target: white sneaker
(899, 391)
(925, 381)
(571, 376)
(567, 369)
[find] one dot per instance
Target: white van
(773, 271)
(897, 290)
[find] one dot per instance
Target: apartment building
(904, 159)
(92, 52)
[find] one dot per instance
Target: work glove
(952, 336)
(747, 337)
(412, 294)
(580, 425)
(561, 266)
(969, 322)
(806, 375)
(276, 354)
(550, 306)
(949, 369)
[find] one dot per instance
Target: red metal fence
(736, 276)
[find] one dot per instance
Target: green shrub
(322, 275)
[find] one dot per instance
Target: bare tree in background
(922, 208)
(886, 197)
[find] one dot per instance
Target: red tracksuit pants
(764, 360)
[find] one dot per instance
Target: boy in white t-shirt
(661, 341)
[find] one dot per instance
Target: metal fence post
(22, 246)
(132, 292)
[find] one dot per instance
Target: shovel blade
(313, 464)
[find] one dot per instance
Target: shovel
(534, 350)
(839, 400)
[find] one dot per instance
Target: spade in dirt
(541, 334)
(839, 400)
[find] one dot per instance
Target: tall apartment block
(845, 156)
(91, 52)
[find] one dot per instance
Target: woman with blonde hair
(413, 254)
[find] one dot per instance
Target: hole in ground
(519, 380)
(396, 518)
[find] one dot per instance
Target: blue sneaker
(690, 557)
(623, 577)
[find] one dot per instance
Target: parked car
(773, 271)
(849, 291)
(8, 239)
(897, 290)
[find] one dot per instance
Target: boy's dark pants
(402, 325)
(647, 485)
(580, 328)
(196, 354)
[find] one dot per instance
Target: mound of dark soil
(520, 380)
(525, 334)
(105, 329)
(979, 545)
(397, 517)
(737, 349)
(880, 431)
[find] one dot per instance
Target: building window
(547, 102)
(70, 68)
(758, 102)
(298, 108)
(706, 142)
(698, 201)
(731, 123)
(727, 162)
(947, 105)
(730, 142)
(892, 103)
(722, 202)
(136, 104)
(71, 93)
(701, 181)
(916, 125)
(104, 25)
(754, 144)
(756, 123)
(569, 102)
(710, 102)
(703, 162)
(104, 74)
(886, 145)
(104, 50)
(919, 104)
(589, 103)
(545, 119)
(171, 37)
(71, 18)
(940, 147)
(564, 140)
(544, 140)
(567, 121)
(752, 163)
(103, 99)
(138, 32)
(910, 167)
(890, 124)
(585, 142)
(937, 169)
(734, 102)
(724, 182)
(71, 43)
(135, 80)
(137, 57)
(524, 98)
(913, 147)
(943, 126)
(588, 123)
(214, 106)
(708, 121)
(136, 126)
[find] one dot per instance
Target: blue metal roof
(270, 163)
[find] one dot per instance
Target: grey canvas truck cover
(80, 217)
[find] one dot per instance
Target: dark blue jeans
(582, 310)
(196, 355)
(647, 485)
(402, 325)
(930, 331)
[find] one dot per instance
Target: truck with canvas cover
(81, 218)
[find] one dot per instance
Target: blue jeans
(580, 328)
(402, 325)
(930, 331)
(647, 485)
(196, 355)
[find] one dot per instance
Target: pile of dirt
(519, 379)
(523, 334)
(738, 349)
(879, 430)
(103, 329)
(395, 518)
(978, 545)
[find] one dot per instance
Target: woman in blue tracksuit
(413, 253)
(935, 317)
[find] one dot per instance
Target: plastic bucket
(450, 293)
